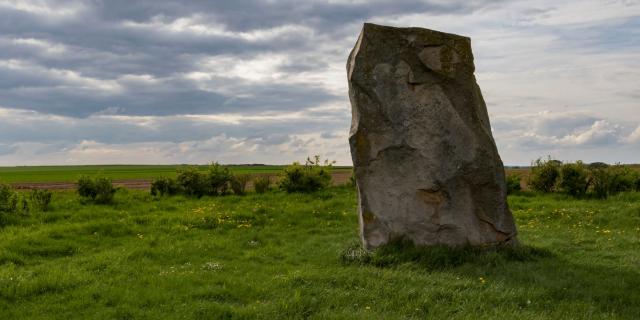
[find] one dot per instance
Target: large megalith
(426, 165)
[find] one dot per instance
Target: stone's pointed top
(372, 27)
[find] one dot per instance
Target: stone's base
(425, 161)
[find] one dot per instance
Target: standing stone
(426, 165)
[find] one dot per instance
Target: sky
(248, 81)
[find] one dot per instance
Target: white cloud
(600, 133)
(567, 136)
(634, 137)
(44, 8)
(63, 77)
(200, 25)
(54, 49)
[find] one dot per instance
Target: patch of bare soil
(139, 184)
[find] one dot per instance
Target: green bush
(40, 199)
(599, 181)
(622, 178)
(86, 187)
(310, 177)
(164, 186)
(215, 181)
(99, 189)
(218, 178)
(239, 183)
(105, 191)
(609, 180)
(192, 182)
(262, 184)
(8, 199)
(513, 183)
(544, 175)
(574, 179)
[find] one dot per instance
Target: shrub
(610, 180)
(86, 187)
(310, 177)
(599, 180)
(574, 178)
(192, 182)
(544, 175)
(262, 184)
(239, 183)
(8, 199)
(99, 189)
(219, 178)
(23, 205)
(105, 191)
(164, 186)
(40, 199)
(622, 178)
(513, 183)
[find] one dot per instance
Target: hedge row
(578, 179)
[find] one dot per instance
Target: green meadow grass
(116, 172)
(281, 256)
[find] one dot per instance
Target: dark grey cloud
(106, 40)
(7, 149)
(254, 14)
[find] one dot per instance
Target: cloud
(105, 127)
(562, 129)
(226, 150)
(634, 137)
(200, 75)
(566, 135)
(7, 149)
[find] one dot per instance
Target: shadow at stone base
(544, 276)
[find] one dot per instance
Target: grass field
(115, 172)
(280, 256)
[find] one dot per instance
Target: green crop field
(295, 256)
(116, 172)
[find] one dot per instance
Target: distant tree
(597, 165)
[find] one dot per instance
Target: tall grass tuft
(40, 199)
(239, 183)
(8, 199)
(262, 184)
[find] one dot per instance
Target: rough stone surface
(426, 165)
